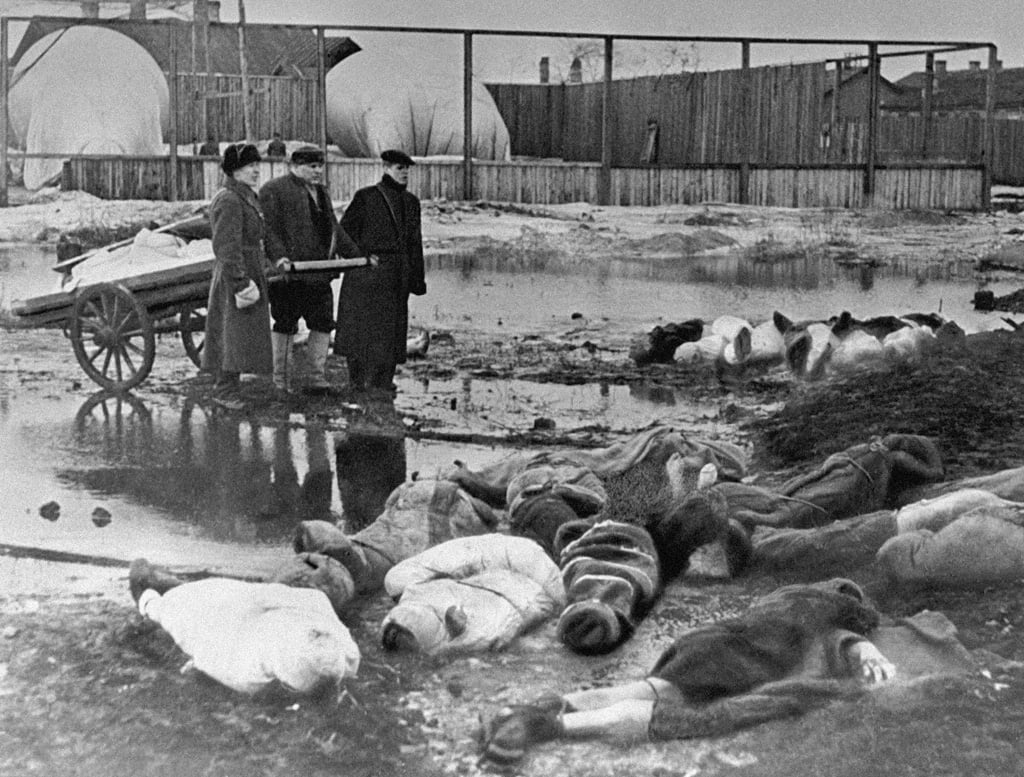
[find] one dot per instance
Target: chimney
(90, 9)
(974, 66)
(940, 67)
(576, 71)
(545, 70)
(214, 10)
(137, 9)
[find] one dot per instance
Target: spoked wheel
(192, 325)
(112, 336)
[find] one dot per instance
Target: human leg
(316, 308)
(617, 713)
(316, 347)
(381, 376)
(356, 373)
(281, 346)
(284, 300)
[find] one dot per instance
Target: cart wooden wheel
(112, 336)
(192, 324)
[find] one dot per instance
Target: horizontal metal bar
(534, 33)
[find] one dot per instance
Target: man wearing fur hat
(300, 228)
(373, 312)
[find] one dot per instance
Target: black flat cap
(395, 157)
(307, 155)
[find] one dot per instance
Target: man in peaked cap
(373, 312)
(300, 228)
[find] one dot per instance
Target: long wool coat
(373, 313)
(237, 340)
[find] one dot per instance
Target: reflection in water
(803, 269)
(370, 467)
(229, 475)
(659, 395)
(631, 294)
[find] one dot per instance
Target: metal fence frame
(874, 56)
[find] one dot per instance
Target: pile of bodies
(477, 557)
(810, 349)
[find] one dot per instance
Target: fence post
(926, 104)
(321, 98)
(243, 68)
(872, 144)
(5, 84)
(746, 125)
(990, 103)
(172, 125)
(467, 116)
(604, 188)
(833, 123)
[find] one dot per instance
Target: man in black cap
(373, 311)
(300, 227)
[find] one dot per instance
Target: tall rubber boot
(281, 345)
(316, 350)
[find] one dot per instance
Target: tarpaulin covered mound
(86, 90)
(472, 593)
(405, 97)
(248, 636)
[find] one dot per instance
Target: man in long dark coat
(373, 312)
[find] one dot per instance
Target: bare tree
(631, 58)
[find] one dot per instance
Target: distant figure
(210, 148)
(373, 310)
(276, 148)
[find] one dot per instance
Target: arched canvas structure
(86, 90)
(400, 98)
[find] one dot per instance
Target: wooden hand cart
(113, 325)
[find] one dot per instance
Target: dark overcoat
(237, 340)
(373, 313)
(296, 227)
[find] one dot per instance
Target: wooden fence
(288, 105)
(702, 119)
(956, 186)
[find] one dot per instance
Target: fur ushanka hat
(237, 156)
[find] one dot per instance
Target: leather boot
(281, 345)
(316, 349)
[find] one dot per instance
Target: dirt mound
(679, 244)
(966, 396)
(888, 219)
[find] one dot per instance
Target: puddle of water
(187, 487)
(469, 290)
(504, 405)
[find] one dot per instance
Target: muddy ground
(88, 688)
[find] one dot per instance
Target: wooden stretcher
(113, 325)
